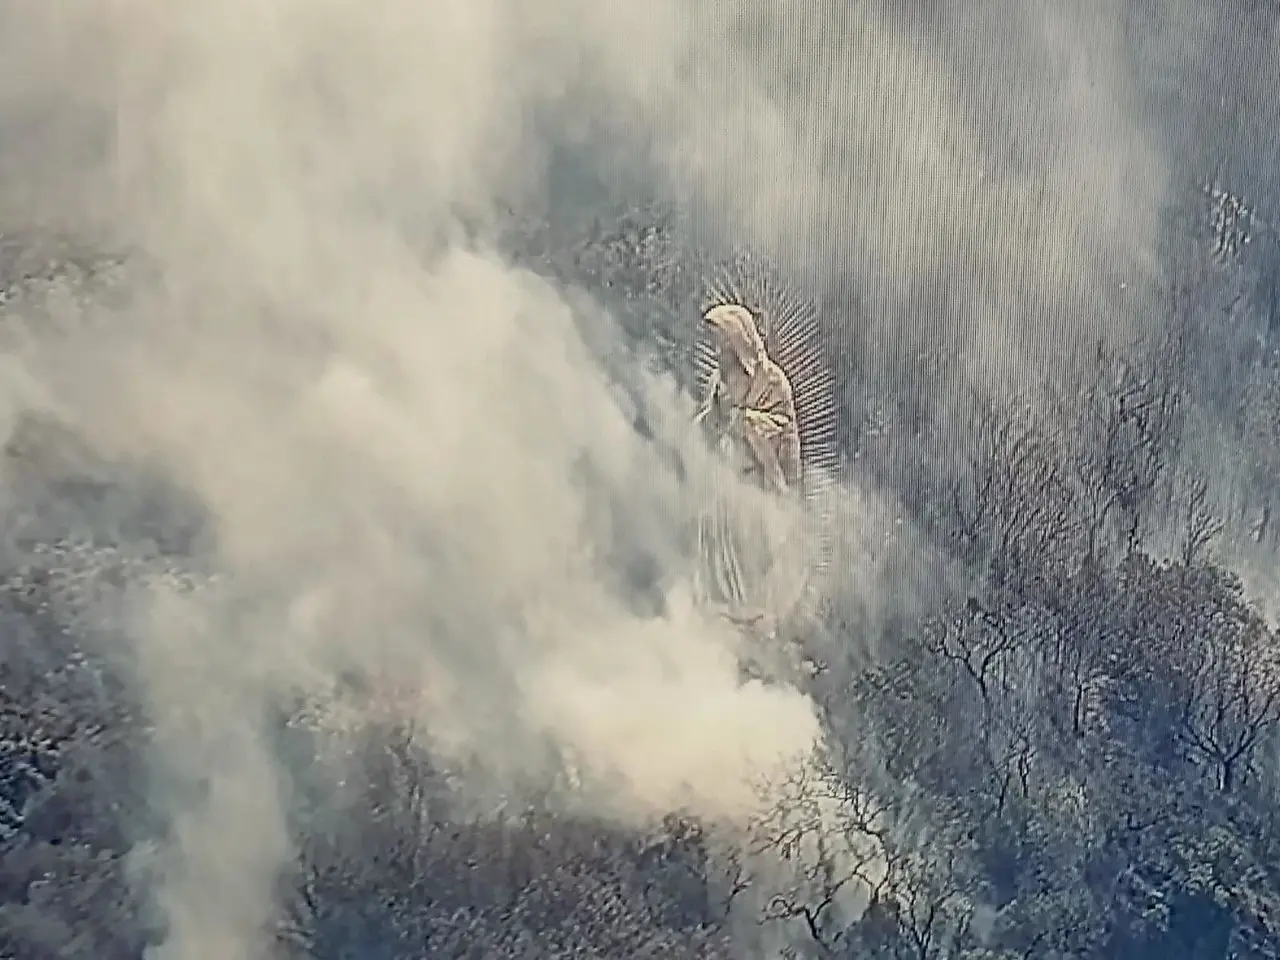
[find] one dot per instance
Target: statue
(768, 405)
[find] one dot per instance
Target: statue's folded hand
(767, 424)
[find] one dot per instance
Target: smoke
(984, 175)
(400, 437)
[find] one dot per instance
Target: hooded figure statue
(766, 546)
(751, 413)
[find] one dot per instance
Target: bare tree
(831, 836)
(1230, 696)
(1127, 426)
(1200, 525)
(1012, 507)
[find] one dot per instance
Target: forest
(1046, 677)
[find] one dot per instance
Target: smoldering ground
(387, 423)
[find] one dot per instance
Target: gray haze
(387, 422)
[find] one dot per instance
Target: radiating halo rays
(795, 340)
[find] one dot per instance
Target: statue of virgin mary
(768, 407)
